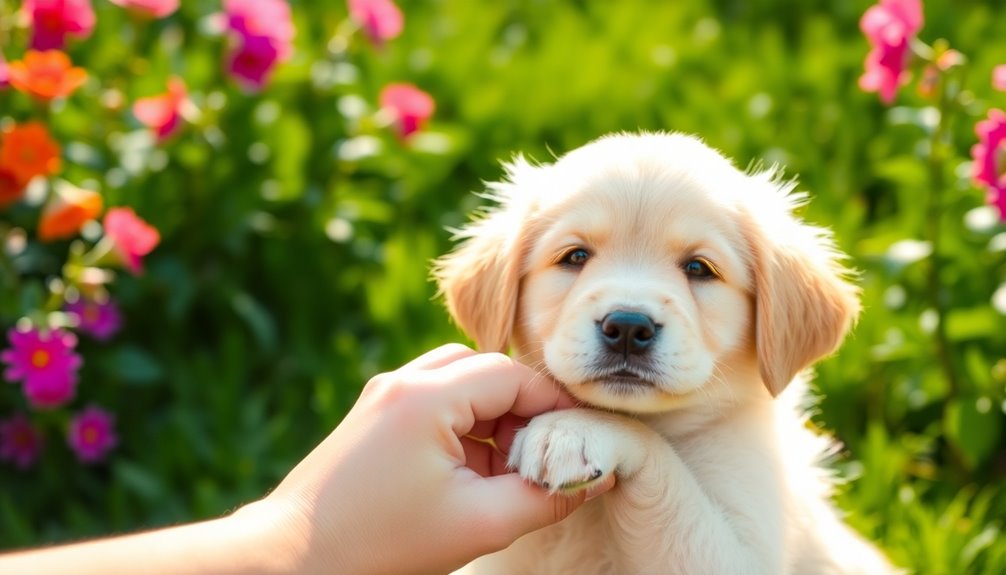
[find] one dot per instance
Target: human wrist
(273, 537)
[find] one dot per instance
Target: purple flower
(45, 362)
(92, 434)
(100, 320)
(20, 441)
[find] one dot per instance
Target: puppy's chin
(619, 395)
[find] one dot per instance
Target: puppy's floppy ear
(803, 304)
(480, 279)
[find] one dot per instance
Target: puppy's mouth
(623, 381)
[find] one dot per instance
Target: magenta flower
(4, 73)
(92, 434)
(20, 441)
(53, 20)
(100, 320)
(381, 19)
(264, 37)
(45, 362)
(149, 8)
(131, 237)
(163, 113)
(410, 106)
(998, 77)
(253, 62)
(889, 26)
(988, 167)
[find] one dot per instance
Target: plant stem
(934, 212)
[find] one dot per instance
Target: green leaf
(141, 481)
(134, 365)
(973, 425)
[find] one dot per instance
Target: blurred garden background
(217, 220)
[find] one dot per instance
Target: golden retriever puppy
(679, 299)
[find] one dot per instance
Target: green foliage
(297, 234)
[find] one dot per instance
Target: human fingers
(440, 356)
(514, 507)
(485, 386)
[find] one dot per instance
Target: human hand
(402, 486)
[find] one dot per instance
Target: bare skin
(407, 483)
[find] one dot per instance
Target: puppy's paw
(567, 451)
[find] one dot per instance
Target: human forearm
(245, 542)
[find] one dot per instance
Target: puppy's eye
(575, 258)
(700, 268)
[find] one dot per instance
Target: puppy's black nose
(627, 332)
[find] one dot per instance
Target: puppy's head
(646, 273)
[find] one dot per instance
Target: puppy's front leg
(662, 520)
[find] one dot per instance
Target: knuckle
(387, 388)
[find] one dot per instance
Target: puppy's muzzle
(627, 333)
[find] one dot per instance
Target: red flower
(53, 20)
(11, 189)
(131, 237)
(380, 19)
(163, 113)
(410, 106)
(989, 159)
(27, 151)
(889, 26)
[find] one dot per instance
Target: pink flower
(998, 78)
(163, 113)
(988, 165)
(53, 20)
(100, 320)
(92, 434)
(380, 19)
(264, 32)
(253, 62)
(149, 8)
(410, 106)
(4, 73)
(45, 362)
(889, 26)
(131, 237)
(20, 441)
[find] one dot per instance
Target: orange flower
(11, 190)
(46, 75)
(28, 151)
(68, 210)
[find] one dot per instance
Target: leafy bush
(296, 220)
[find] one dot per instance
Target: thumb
(518, 508)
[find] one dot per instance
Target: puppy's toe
(563, 453)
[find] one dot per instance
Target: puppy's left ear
(804, 304)
(480, 279)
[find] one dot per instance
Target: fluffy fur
(696, 412)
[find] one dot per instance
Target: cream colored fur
(717, 471)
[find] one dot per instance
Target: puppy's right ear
(480, 279)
